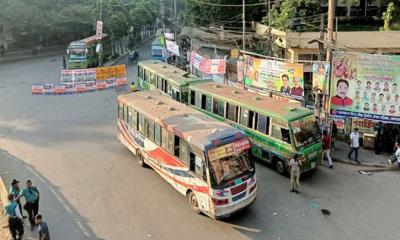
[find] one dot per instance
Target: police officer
(15, 222)
(15, 190)
(31, 194)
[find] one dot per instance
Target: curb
(4, 200)
(349, 162)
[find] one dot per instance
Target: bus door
(176, 95)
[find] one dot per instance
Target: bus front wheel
(140, 159)
(280, 166)
(194, 204)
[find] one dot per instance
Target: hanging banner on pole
(99, 28)
(365, 86)
(320, 78)
(172, 47)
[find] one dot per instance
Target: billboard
(320, 78)
(172, 47)
(284, 78)
(365, 86)
(208, 66)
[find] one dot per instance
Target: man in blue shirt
(43, 228)
(31, 195)
(15, 222)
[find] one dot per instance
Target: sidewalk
(367, 157)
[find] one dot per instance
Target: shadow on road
(64, 221)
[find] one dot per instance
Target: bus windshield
(227, 163)
(305, 131)
(77, 53)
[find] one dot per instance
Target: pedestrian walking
(64, 63)
(326, 147)
(15, 191)
(294, 167)
(31, 195)
(354, 144)
(15, 222)
(334, 133)
(43, 228)
(396, 156)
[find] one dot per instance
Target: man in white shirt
(355, 144)
(396, 156)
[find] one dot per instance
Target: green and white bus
(154, 74)
(277, 130)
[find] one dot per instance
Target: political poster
(208, 66)
(76, 76)
(104, 73)
(172, 47)
(284, 78)
(320, 75)
(365, 86)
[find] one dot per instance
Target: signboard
(104, 73)
(284, 78)
(365, 86)
(169, 36)
(75, 76)
(99, 28)
(320, 78)
(229, 149)
(208, 66)
(363, 125)
(172, 47)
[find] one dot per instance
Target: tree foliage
(391, 17)
(200, 14)
(49, 22)
(291, 12)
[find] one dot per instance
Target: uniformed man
(15, 222)
(15, 190)
(31, 195)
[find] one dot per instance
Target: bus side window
(159, 82)
(151, 130)
(126, 113)
(177, 144)
(184, 152)
(146, 75)
(231, 112)
(263, 124)
(218, 107)
(140, 72)
(132, 118)
(120, 111)
(141, 123)
(203, 101)
(164, 138)
(208, 103)
(280, 133)
(244, 117)
(198, 99)
(197, 166)
(157, 134)
(192, 98)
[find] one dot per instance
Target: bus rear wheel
(194, 204)
(280, 166)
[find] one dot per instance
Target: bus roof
(173, 74)
(194, 127)
(261, 104)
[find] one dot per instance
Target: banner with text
(284, 78)
(365, 86)
(320, 78)
(208, 66)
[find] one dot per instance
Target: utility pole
(331, 17)
(101, 8)
(321, 37)
(269, 13)
(163, 25)
(174, 9)
(244, 25)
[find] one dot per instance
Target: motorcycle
(133, 57)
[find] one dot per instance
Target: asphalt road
(92, 187)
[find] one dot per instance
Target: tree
(201, 14)
(391, 17)
(291, 13)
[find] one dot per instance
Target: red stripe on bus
(164, 157)
(195, 188)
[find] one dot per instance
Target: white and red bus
(204, 159)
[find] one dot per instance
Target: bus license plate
(312, 164)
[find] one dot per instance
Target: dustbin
(369, 141)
